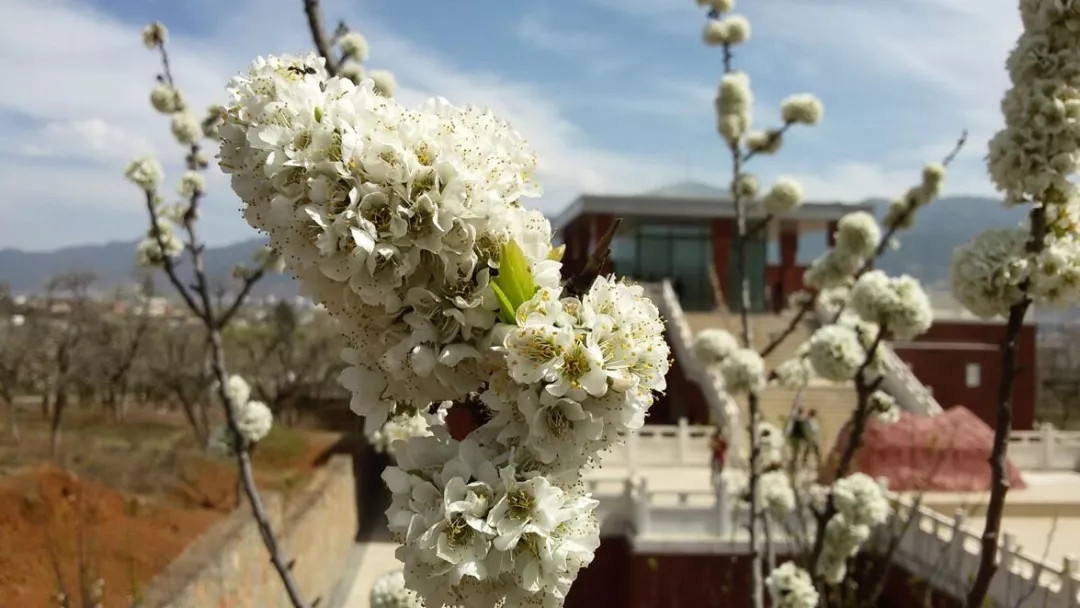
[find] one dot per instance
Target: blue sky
(615, 95)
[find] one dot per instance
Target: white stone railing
(679, 445)
(944, 552)
(681, 338)
(1046, 449)
(941, 551)
(899, 381)
(662, 445)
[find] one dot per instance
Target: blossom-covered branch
(406, 224)
(248, 421)
(1033, 161)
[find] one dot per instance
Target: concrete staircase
(834, 402)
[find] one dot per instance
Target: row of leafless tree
(69, 349)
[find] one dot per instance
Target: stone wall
(228, 567)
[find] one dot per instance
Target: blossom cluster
(403, 425)
(791, 587)
(406, 224)
(1032, 160)
(480, 525)
(389, 591)
(253, 418)
(861, 505)
(742, 369)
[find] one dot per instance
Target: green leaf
(506, 309)
(515, 280)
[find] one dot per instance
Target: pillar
(789, 252)
(599, 224)
(721, 245)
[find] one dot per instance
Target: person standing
(812, 433)
(719, 454)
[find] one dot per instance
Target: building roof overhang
(676, 207)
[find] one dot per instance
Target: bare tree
(70, 310)
(286, 357)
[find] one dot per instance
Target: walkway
(378, 559)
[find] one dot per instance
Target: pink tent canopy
(945, 453)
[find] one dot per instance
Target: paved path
(378, 559)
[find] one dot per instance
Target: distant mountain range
(925, 250)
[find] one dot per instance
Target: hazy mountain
(925, 250)
(114, 264)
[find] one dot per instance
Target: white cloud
(82, 106)
(92, 139)
(585, 49)
(93, 104)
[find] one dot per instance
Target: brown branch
(580, 283)
(999, 480)
(210, 320)
(791, 326)
(864, 389)
(245, 290)
(1003, 425)
(774, 135)
(318, 35)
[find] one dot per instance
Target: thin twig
(579, 284)
(206, 312)
(753, 404)
(245, 290)
(863, 389)
(1003, 425)
(318, 35)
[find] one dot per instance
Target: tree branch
(205, 310)
(580, 283)
(318, 35)
(245, 290)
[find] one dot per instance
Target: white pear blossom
(764, 142)
(791, 587)
(477, 529)
(149, 252)
(253, 420)
(726, 31)
(858, 234)
(986, 273)
(784, 196)
(405, 425)
(354, 71)
(191, 184)
(734, 106)
(777, 494)
(236, 388)
(407, 224)
(389, 591)
(794, 373)
(861, 500)
(743, 372)
(155, 35)
(145, 172)
(832, 269)
(745, 186)
(354, 46)
(712, 346)
(186, 128)
(166, 99)
(883, 407)
(899, 303)
(835, 352)
(385, 82)
(803, 109)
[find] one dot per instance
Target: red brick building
(687, 235)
